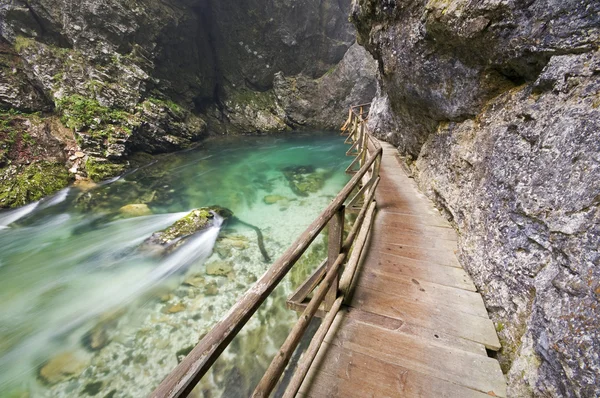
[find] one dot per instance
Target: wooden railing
(331, 288)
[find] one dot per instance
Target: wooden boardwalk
(414, 324)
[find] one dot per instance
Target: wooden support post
(312, 350)
(363, 144)
(281, 359)
(336, 236)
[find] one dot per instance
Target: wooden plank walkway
(414, 325)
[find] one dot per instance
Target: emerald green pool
(84, 311)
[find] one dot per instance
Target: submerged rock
(238, 242)
(62, 367)
(175, 308)
(195, 280)
(93, 388)
(219, 268)
(100, 335)
(135, 210)
(272, 199)
(304, 180)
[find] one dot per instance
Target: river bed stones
(175, 308)
(135, 210)
(62, 367)
(219, 268)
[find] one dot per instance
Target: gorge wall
(495, 107)
(87, 83)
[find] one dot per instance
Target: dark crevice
(56, 38)
(491, 353)
(204, 11)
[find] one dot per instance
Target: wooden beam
(309, 284)
(348, 275)
(311, 352)
(334, 248)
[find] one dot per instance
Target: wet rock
(62, 367)
(520, 185)
(197, 220)
(135, 210)
(219, 268)
(100, 169)
(323, 102)
(20, 185)
(16, 90)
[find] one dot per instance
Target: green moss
(23, 43)
(81, 113)
(20, 186)
(99, 169)
(173, 107)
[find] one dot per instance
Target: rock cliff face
(149, 75)
(495, 107)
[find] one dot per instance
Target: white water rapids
(100, 271)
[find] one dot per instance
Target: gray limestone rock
(443, 60)
(521, 184)
(495, 106)
(322, 102)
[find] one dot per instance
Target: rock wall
(156, 76)
(282, 62)
(495, 107)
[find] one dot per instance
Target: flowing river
(86, 311)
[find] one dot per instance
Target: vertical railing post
(336, 239)
(363, 144)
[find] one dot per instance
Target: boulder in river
(197, 220)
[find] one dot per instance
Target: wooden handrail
(188, 373)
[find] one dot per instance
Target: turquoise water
(85, 311)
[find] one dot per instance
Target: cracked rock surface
(495, 107)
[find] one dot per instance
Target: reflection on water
(85, 310)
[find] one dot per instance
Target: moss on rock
(99, 169)
(22, 185)
(195, 221)
(86, 114)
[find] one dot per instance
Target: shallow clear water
(84, 311)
